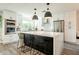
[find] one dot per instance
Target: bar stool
(21, 40)
(23, 48)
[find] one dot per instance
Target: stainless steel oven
(10, 26)
(10, 29)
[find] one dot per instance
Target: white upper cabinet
(7, 14)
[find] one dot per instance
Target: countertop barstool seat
(22, 47)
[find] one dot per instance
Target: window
(27, 25)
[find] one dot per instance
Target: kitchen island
(49, 43)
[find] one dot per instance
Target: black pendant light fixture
(35, 17)
(48, 13)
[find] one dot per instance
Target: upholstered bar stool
(22, 47)
(21, 40)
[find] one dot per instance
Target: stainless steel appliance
(10, 26)
(58, 25)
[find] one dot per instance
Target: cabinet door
(41, 43)
(44, 44)
(28, 39)
(70, 26)
(48, 45)
(12, 16)
(9, 15)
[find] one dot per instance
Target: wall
(47, 26)
(77, 24)
(18, 21)
(58, 16)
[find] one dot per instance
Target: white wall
(18, 20)
(77, 23)
(58, 16)
(48, 26)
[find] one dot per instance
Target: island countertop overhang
(42, 33)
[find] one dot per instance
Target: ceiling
(28, 8)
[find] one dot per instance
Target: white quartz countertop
(42, 33)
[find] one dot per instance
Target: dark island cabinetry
(41, 43)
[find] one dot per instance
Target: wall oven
(10, 26)
(10, 29)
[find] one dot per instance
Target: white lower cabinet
(10, 38)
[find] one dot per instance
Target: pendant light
(48, 13)
(35, 17)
